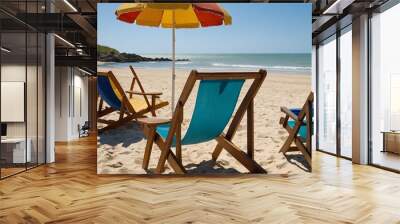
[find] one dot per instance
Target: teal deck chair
(216, 100)
(299, 124)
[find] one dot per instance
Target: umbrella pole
(173, 62)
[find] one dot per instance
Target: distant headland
(108, 54)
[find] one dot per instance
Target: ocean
(288, 63)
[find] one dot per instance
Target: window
(385, 89)
(346, 92)
(327, 95)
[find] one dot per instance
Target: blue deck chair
(131, 106)
(298, 123)
(216, 100)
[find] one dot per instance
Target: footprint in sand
(281, 165)
(110, 151)
(138, 161)
(125, 153)
(262, 136)
(109, 157)
(270, 161)
(116, 165)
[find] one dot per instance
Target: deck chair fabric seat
(107, 92)
(139, 104)
(303, 129)
(136, 105)
(215, 103)
(295, 110)
(216, 100)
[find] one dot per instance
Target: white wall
(71, 102)
(14, 73)
(61, 106)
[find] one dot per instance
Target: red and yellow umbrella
(174, 15)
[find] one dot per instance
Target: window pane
(14, 153)
(327, 96)
(385, 83)
(346, 93)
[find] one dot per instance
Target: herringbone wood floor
(71, 192)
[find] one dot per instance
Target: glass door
(22, 77)
(14, 155)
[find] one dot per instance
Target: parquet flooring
(69, 191)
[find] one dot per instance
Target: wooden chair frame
(127, 112)
(304, 117)
(224, 141)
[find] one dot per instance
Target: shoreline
(108, 66)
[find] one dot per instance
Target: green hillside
(104, 50)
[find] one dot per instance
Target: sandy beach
(120, 151)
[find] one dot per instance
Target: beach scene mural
(140, 101)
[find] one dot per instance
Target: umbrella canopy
(174, 15)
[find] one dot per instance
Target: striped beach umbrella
(174, 16)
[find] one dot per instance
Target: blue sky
(256, 28)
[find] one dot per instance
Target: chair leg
(250, 130)
(240, 156)
(217, 152)
(172, 160)
(303, 150)
(149, 146)
(163, 158)
(286, 146)
(153, 106)
(178, 146)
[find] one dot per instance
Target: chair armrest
(289, 113)
(153, 121)
(144, 94)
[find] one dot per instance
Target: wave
(236, 65)
(289, 68)
(260, 66)
(183, 62)
(208, 65)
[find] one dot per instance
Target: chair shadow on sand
(114, 137)
(205, 167)
(299, 161)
